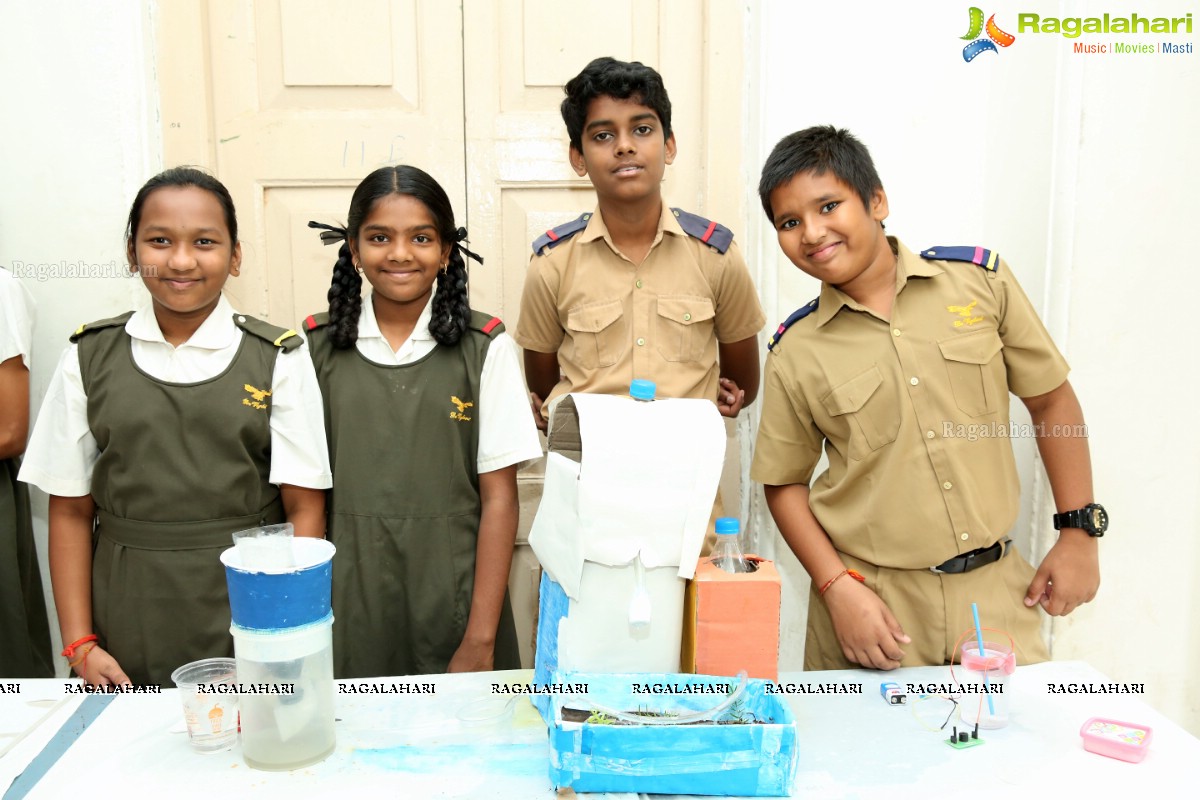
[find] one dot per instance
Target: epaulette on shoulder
(988, 259)
(99, 325)
(280, 337)
(556, 236)
(314, 321)
(713, 234)
(796, 316)
(486, 324)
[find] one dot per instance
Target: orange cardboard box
(731, 622)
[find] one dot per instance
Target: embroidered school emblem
(257, 398)
(964, 312)
(462, 406)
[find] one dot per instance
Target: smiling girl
(165, 430)
(428, 422)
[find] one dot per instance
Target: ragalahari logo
(995, 36)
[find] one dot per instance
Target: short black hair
(623, 80)
(819, 149)
(181, 178)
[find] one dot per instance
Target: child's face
(399, 250)
(825, 230)
(183, 250)
(624, 151)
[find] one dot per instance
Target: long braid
(345, 301)
(451, 313)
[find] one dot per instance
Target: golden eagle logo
(462, 406)
(965, 313)
(257, 398)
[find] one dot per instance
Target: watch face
(1098, 518)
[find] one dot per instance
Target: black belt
(974, 559)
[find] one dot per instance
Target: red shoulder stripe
(491, 325)
(310, 322)
(712, 226)
(553, 236)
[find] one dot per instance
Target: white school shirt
(507, 434)
(62, 450)
(16, 319)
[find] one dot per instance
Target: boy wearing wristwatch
(900, 372)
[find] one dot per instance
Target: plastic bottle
(643, 390)
(727, 554)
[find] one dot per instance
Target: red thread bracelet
(69, 650)
(852, 573)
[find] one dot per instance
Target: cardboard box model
(628, 494)
(751, 751)
(731, 622)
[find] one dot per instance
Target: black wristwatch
(1092, 519)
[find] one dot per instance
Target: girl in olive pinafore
(24, 628)
(428, 420)
(160, 437)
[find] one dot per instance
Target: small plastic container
(208, 689)
(1126, 741)
(287, 695)
(996, 662)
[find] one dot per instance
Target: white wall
(80, 136)
(1081, 171)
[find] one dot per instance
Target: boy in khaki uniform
(635, 289)
(901, 369)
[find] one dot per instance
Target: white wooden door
(291, 103)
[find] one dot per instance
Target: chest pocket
(599, 334)
(869, 407)
(684, 328)
(975, 371)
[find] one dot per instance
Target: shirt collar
(368, 323)
(216, 332)
(908, 266)
(596, 229)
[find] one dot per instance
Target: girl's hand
(472, 656)
(866, 629)
(98, 668)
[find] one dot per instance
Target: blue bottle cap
(728, 525)
(641, 389)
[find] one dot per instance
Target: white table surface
(414, 746)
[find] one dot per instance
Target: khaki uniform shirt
(912, 412)
(611, 321)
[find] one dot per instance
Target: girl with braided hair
(428, 422)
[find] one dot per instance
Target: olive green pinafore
(24, 628)
(404, 510)
(181, 468)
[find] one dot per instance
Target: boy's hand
(866, 629)
(535, 403)
(1069, 575)
(730, 398)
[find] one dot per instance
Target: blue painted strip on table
(72, 729)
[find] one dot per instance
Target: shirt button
(641, 341)
(687, 317)
(964, 536)
(914, 381)
(948, 486)
(929, 434)
(638, 284)
(895, 332)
